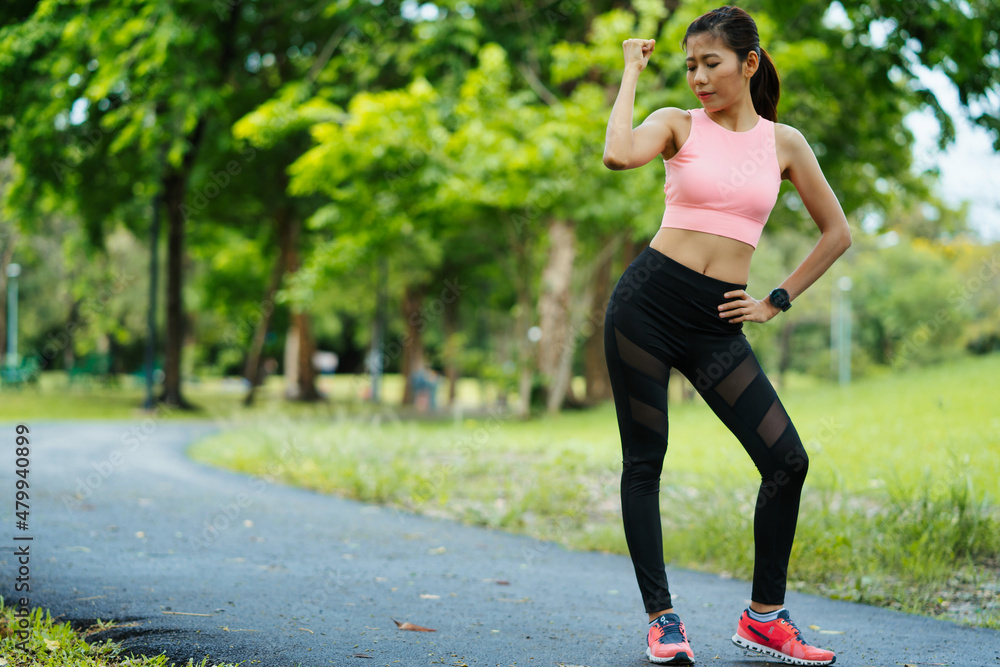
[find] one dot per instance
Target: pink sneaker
(779, 639)
(667, 642)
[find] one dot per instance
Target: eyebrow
(707, 55)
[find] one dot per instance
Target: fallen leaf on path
(503, 582)
(428, 596)
(406, 625)
(307, 630)
(814, 627)
(831, 632)
(438, 550)
(362, 655)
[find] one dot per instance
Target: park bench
(15, 377)
(90, 369)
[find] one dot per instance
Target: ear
(751, 64)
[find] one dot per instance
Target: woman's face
(714, 73)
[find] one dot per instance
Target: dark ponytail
(739, 32)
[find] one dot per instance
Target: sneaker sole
(681, 658)
(747, 644)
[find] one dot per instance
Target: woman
(682, 304)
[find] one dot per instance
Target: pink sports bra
(723, 182)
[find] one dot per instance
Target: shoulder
(794, 152)
(789, 140)
(670, 116)
(676, 121)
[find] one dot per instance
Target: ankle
(761, 608)
(654, 616)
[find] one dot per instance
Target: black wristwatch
(779, 298)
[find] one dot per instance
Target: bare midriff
(709, 254)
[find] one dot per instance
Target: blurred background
(371, 205)
(417, 188)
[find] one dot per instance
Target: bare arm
(835, 234)
(804, 172)
(625, 148)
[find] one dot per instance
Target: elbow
(613, 164)
(845, 240)
(840, 238)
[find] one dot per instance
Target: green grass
(896, 511)
(54, 398)
(35, 639)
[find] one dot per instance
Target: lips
(704, 95)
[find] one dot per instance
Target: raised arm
(625, 148)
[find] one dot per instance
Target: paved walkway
(201, 562)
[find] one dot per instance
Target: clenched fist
(637, 52)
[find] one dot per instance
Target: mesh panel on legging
(639, 381)
(748, 405)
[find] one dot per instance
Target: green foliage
(52, 644)
(447, 145)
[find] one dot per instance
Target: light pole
(13, 271)
(376, 358)
(844, 337)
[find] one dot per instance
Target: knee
(642, 475)
(795, 464)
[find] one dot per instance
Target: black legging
(663, 314)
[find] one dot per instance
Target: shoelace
(671, 627)
(798, 633)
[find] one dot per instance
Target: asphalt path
(196, 562)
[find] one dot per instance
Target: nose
(700, 76)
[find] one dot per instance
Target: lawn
(899, 509)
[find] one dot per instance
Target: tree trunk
(175, 185)
(595, 365)
(252, 373)
(307, 346)
(413, 347)
(292, 362)
(554, 312)
(305, 374)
